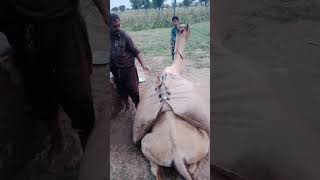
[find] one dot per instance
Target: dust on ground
(126, 159)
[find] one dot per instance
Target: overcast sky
(117, 3)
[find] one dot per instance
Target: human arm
(133, 49)
(172, 35)
(141, 61)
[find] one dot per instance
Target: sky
(117, 3)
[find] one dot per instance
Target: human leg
(133, 85)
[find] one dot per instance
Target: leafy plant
(137, 20)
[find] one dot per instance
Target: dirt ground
(265, 92)
(127, 160)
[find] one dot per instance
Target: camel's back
(180, 96)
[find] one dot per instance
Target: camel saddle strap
(180, 95)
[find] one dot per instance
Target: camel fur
(171, 122)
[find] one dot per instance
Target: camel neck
(178, 62)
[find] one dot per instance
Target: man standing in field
(54, 55)
(174, 31)
(122, 63)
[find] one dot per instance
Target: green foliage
(205, 1)
(115, 9)
(157, 4)
(174, 3)
(146, 4)
(122, 7)
(166, 6)
(155, 42)
(174, 6)
(137, 20)
(136, 4)
(187, 3)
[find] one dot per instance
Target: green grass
(156, 42)
(137, 20)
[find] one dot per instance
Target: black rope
(166, 94)
(179, 54)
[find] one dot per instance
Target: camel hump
(187, 103)
(181, 97)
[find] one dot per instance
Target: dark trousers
(127, 82)
(173, 43)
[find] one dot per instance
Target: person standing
(122, 63)
(174, 31)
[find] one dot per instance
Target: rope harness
(178, 52)
(164, 93)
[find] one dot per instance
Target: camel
(171, 122)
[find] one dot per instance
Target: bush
(115, 9)
(122, 8)
(137, 20)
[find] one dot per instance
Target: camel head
(182, 37)
(183, 34)
(181, 40)
(183, 31)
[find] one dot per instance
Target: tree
(157, 4)
(115, 9)
(146, 4)
(122, 7)
(174, 5)
(187, 3)
(205, 2)
(136, 4)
